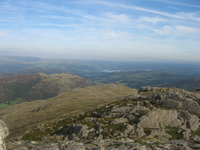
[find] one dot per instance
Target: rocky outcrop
(172, 98)
(3, 134)
(160, 118)
(152, 119)
(75, 130)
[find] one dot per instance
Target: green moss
(109, 130)
(196, 132)
(118, 127)
(147, 131)
(33, 136)
(174, 132)
(142, 142)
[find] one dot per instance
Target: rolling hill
(16, 89)
(21, 117)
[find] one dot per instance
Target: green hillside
(36, 86)
(21, 117)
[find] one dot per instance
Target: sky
(156, 30)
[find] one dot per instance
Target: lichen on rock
(3, 134)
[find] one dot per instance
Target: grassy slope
(21, 117)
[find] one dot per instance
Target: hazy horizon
(149, 30)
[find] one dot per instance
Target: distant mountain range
(22, 78)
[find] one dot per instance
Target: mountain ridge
(70, 102)
(148, 119)
(37, 86)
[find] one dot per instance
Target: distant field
(137, 79)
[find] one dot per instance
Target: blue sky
(102, 29)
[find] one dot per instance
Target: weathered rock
(179, 145)
(45, 146)
(195, 146)
(150, 89)
(3, 134)
(122, 145)
(145, 89)
(191, 106)
(76, 130)
(139, 132)
(196, 139)
(187, 135)
(72, 146)
(159, 134)
(171, 104)
(21, 148)
(119, 120)
(160, 118)
(94, 148)
(132, 97)
(129, 129)
(120, 110)
(191, 121)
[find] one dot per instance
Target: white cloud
(179, 3)
(115, 35)
(133, 7)
(165, 30)
(189, 16)
(153, 20)
(122, 18)
(185, 29)
(176, 30)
